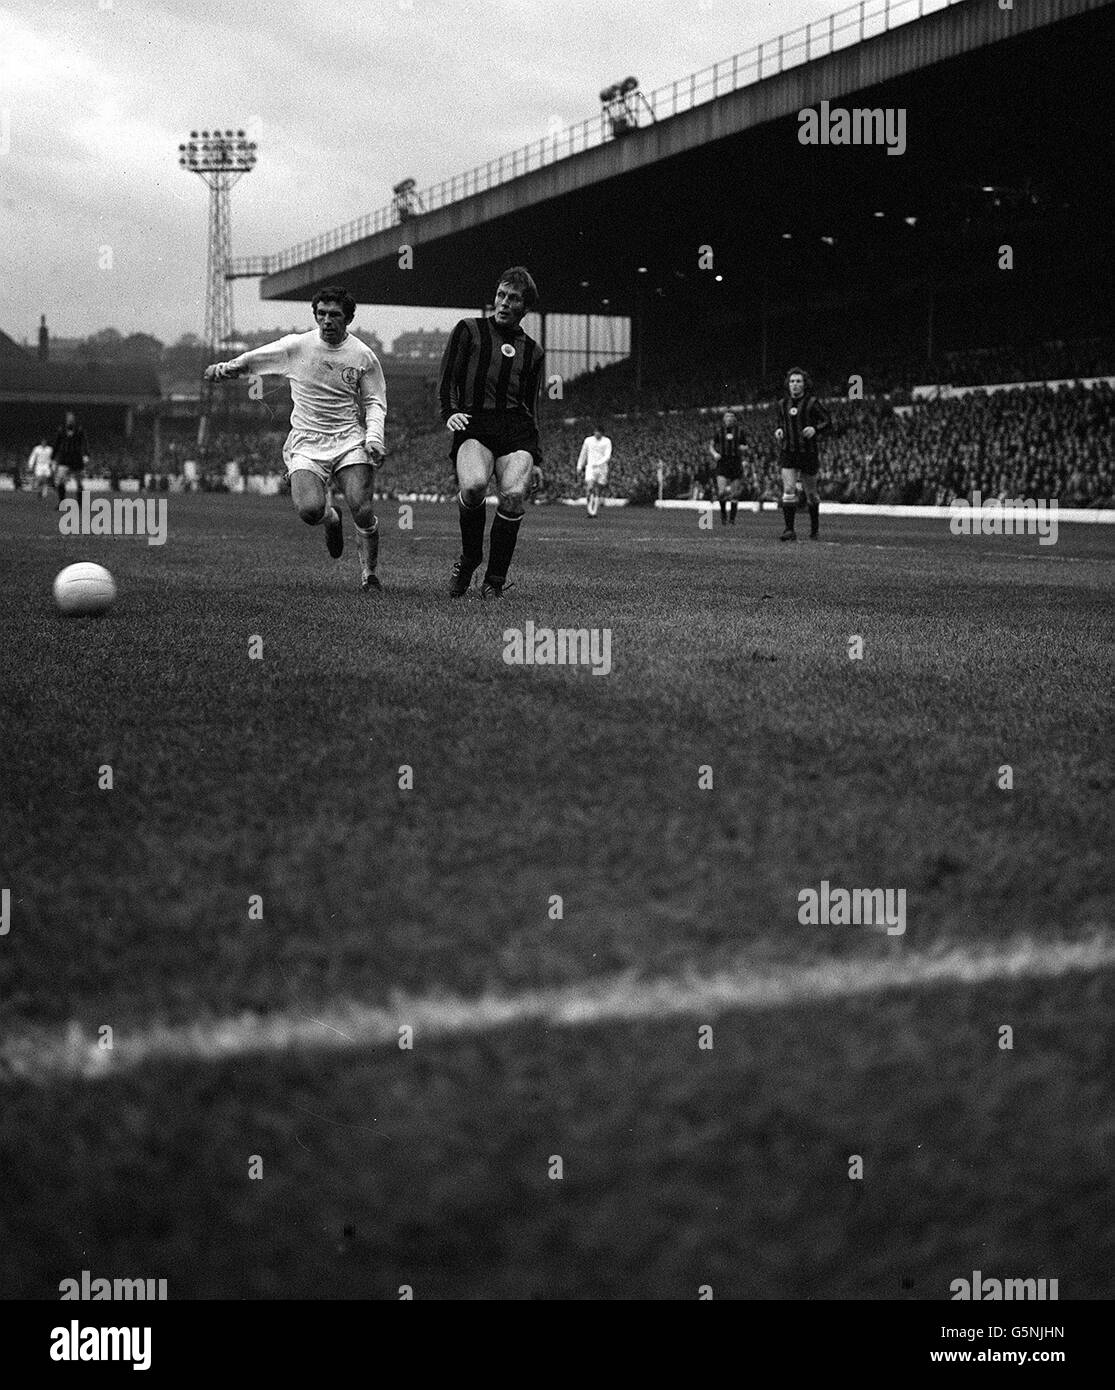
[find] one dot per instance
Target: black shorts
(500, 431)
(732, 471)
(809, 467)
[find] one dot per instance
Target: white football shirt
(595, 452)
(338, 392)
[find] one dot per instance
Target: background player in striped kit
(727, 450)
(71, 454)
(801, 418)
(488, 391)
(336, 435)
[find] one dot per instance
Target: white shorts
(323, 455)
(43, 471)
(596, 475)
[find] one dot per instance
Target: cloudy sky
(345, 99)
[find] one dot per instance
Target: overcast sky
(345, 98)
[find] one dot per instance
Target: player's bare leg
(513, 476)
(475, 464)
(312, 504)
(358, 484)
(592, 501)
(789, 502)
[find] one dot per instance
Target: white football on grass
(84, 588)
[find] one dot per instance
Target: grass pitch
(431, 1166)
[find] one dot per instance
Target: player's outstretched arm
(223, 371)
(272, 359)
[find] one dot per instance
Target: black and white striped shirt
(486, 370)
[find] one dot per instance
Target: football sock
(814, 515)
(472, 530)
(61, 493)
(789, 510)
(368, 543)
(723, 511)
(501, 546)
(735, 508)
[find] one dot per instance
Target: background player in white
(41, 467)
(593, 462)
(336, 436)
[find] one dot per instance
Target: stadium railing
(853, 24)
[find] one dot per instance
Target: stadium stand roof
(10, 350)
(23, 377)
(984, 90)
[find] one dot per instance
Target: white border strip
(1099, 516)
(348, 1025)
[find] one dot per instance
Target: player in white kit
(41, 466)
(336, 435)
(593, 462)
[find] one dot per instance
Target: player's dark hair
(335, 294)
(799, 371)
(520, 278)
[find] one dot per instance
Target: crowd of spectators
(1021, 442)
(1033, 442)
(708, 375)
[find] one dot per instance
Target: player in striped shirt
(488, 392)
(336, 434)
(727, 450)
(801, 418)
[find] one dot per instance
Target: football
(84, 588)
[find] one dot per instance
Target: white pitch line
(349, 1025)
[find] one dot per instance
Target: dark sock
(788, 511)
(723, 511)
(501, 545)
(472, 530)
(814, 516)
(61, 493)
(735, 508)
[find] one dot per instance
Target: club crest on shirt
(350, 376)
(507, 350)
